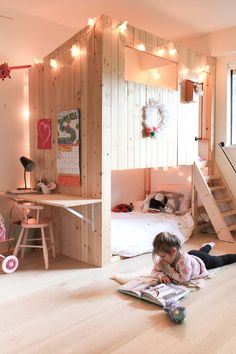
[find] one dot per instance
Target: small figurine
(5, 70)
(176, 312)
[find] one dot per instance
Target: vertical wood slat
(114, 95)
(130, 124)
(107, 56)
(121, 109)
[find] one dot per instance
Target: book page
(137, 286)
(164, 291)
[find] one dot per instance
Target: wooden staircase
(210, 193)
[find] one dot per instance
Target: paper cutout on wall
(44, 134)
(68, 168)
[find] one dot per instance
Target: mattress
(132, 233)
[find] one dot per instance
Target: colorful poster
(44, 134)
(68, 164)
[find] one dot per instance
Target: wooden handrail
(221, 145)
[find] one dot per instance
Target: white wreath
(152, 122)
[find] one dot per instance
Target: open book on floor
(159, 293)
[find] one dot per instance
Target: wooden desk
(65, 201)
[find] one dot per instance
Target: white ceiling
(172, 19)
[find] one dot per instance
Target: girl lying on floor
(180, 266)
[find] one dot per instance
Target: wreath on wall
(155, 117)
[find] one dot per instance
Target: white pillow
(138, 205)
(184, 189)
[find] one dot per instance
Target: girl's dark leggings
(213, 261)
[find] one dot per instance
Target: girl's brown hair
(164, 242)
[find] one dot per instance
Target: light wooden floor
(74, 308)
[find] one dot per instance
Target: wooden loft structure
(111, 123)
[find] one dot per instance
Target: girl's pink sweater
(186, 268)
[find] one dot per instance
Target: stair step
(201, 206)
(203, 226)
(204, 163)
(229, 212)
(232, 227)
(210, 177)
(217, 188)
(223, 200)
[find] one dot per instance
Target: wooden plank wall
(111, 124)
(129, 147)
(77, 83)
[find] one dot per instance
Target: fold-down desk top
(59, 200)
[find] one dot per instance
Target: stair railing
(221, 145)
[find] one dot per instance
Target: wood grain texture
(60, 309)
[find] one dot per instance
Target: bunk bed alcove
(111, 123)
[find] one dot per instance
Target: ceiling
(171, 19)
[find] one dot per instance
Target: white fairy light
(156, 75)
(172, 51)
(53, 63)
(123, 27)
(160, 52)
(38, 61)
(141, 47)
(91, 22)
(75, 51)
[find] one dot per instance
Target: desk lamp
(28, 166)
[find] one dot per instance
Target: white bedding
(133, 233)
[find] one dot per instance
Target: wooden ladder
(216, 199)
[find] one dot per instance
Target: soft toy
(176, 312)
(158, 202)
(123, 208)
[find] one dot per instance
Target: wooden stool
(34, 221)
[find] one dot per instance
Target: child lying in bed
(178, 265)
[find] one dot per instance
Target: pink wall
(129, 185)
(22, 40)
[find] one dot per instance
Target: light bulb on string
(75, 51)
(141, 47)
(202, 76)
(38, 61)
(184, 71)
(123, 27)
(160, 52)
(156, 75)
(91, 22)
(53, 63)
(172, 51)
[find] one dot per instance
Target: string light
(75, 51)
(156, 75)
(123, 27)
(38, 61)
(160, 52)
(91, 22)
(53, 63)
(141, 47)
(206, 68)
(184, 71)
(198, 70)
(202, 76)
(172, 51)
(26, 113)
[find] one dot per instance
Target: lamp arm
(25, 178)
